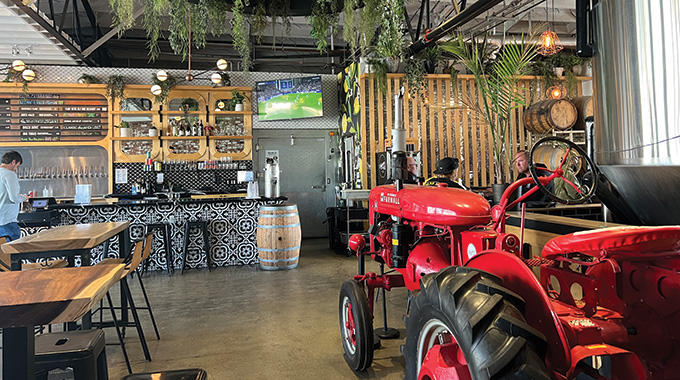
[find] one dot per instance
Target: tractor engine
(417, 230)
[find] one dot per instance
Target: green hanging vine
(239, 32)
(349, 29)
(325, 13)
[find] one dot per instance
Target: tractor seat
(627, 243)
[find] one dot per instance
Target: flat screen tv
(285, 99)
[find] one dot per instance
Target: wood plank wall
(440, 132)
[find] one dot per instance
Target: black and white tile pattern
(232, 228)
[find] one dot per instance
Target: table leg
(18, 354)
(15, 264)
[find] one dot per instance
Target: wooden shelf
(230, 137)
(183, 137)
(245, 113)
(182, 113)
(141, 138)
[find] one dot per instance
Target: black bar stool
(84, 351)
(167, 235)
(206, 241)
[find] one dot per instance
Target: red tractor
(606, 305)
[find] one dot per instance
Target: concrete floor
(242, 322)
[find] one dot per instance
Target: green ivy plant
(115, 87)
(16, 77)
(369, 19)
(415, 77)
(279, 9)
(165, 86)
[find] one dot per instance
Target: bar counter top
(199, 198)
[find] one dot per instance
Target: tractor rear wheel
(356, 326)
(465, 325)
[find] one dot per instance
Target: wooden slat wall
(440, 132)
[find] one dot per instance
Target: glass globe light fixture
(222, 64)
(216, 78)
(556, 92)
(161, 75)
(18, 65)
(156, 89)
(28, 75)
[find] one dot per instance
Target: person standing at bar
(10, 198)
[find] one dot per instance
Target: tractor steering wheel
(576, 182)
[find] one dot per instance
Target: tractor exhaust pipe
(399, 159)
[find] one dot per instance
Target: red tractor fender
(625, 364)
(539, 313)
(429, 256)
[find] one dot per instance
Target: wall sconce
(161, 75)
(156, 89)
(18, 65)
(28, 75)
(222, 64)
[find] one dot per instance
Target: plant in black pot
(432, 56)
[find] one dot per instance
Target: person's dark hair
(10, 156)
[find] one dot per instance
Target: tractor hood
(453, 207)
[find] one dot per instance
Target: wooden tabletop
(62, 238)
(41, 297)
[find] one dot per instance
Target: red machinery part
(357, 243)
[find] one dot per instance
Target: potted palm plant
(497, 74)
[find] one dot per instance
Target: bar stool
(84, 351)
(181, 374)
(206, 241)
(167, 235)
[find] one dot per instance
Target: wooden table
(68, 241)
(37, 297)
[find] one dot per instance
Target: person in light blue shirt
(10, 198)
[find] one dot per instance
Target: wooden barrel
(278, 236)
(546, 115)
(584, 107)
(551, 156)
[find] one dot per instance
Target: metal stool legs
(206, 242)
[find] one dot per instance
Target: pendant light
(549, 41)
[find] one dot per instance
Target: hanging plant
(415, 77)
(122, 14)
(154, 12)
(369, 19)
(165, 86)
(325, 13)
(115, 87)
(280, 9)
(16, 77)
(380, 73)
(349, 29)
(259, 20)
(239, 32)
(391, 41)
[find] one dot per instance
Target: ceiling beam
(114, 31)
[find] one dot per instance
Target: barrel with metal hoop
(551, 157)
(546, 115)
(278, 236)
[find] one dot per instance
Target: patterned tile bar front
(232, 226)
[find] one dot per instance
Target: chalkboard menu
(53, 117)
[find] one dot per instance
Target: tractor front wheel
(465, 325)
(356, 326)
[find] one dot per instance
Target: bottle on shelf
(200, 127)
(194, 129)
(46, 192)
(174, 132)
